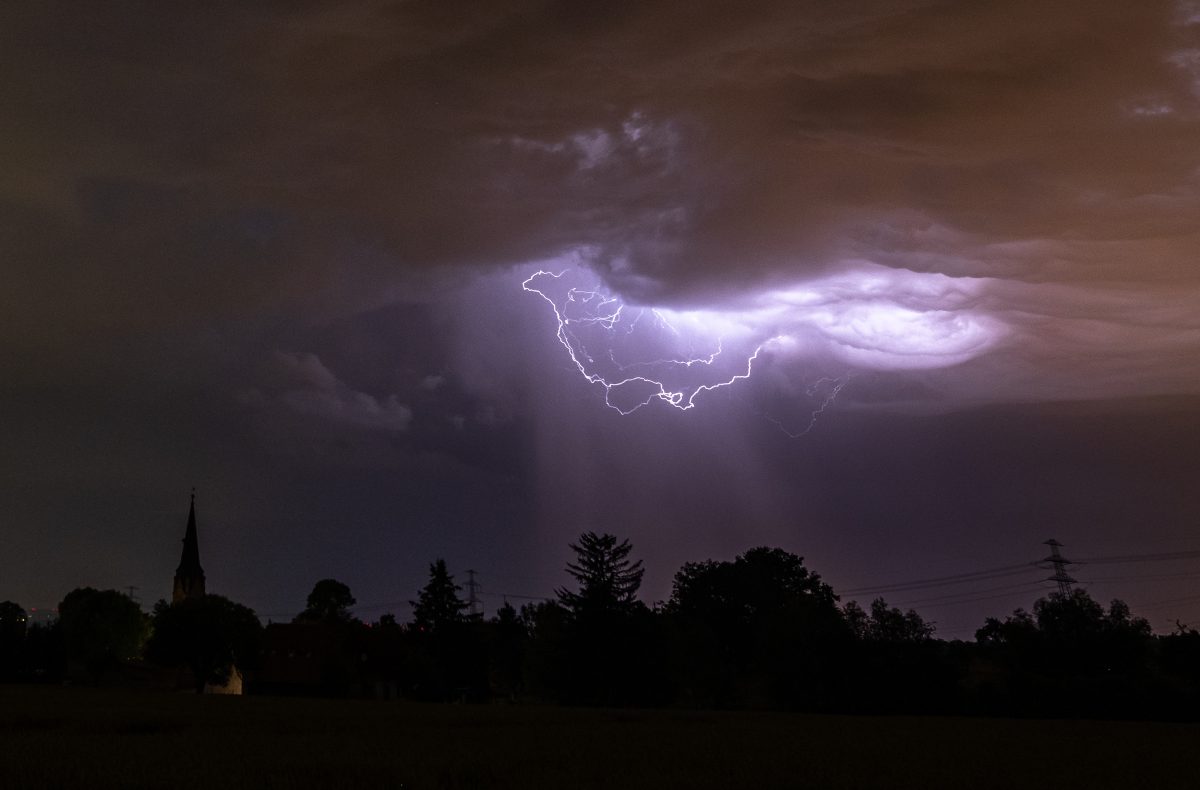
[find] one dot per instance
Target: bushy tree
(329, 602)
(761, 629)
(508, 635)
(1069, 656)
(12, 639)
(1081, 635)
(760, 585)
(101, 628)
(208, 634)
(12, 620)
(886, 623)
(897, 664)
(1015, 630)
(1069, 634)
(1180, 657)
(44, 657)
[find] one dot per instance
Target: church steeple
(189, 576)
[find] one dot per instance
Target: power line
(1145, 576)
(973, 599)
(952, 596)
(1168, 602)
(1124, 558)
(944, 581)
(517, 595)
(1012, 570)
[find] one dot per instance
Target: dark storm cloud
(329, 158)
(269, 248)
(305, 386)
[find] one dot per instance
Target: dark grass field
(72, 737)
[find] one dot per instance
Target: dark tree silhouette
(12, 639)
(329, 602)
(448, 650)
(508, 637)
(897, 665)
(887, 624)
(44, 657)
(608, 580)
(101, 628)
(12, 621)
(1070, 657)
(544, 665)
(760, 582)
(759, 630)
(208, 634)
(438, 607)
(606, 648)
(1180, 653)
(1071, 630)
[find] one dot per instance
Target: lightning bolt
(609, 314)
(813, 390)
(578, 353)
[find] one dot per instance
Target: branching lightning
(830, 395)
(867, 316)
(605, 316)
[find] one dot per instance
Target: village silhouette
(761, 631)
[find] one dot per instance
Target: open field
(56, 737)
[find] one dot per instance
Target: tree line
(759, 631)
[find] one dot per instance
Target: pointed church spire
(189, 576)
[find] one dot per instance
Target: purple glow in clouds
(866, 317)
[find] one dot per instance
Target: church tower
(189, 576)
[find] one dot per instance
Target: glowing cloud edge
(870, 317)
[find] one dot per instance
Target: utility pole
(1059, 563)
(474, 607)
(133, 588)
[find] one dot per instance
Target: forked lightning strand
(829, 398)
(680, 399)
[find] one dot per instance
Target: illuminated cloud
(867, 317)
(317, 162)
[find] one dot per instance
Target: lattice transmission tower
(474, 605)
(1059, 563)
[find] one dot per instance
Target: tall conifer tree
(438, 606)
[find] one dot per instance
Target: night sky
(276, 251)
